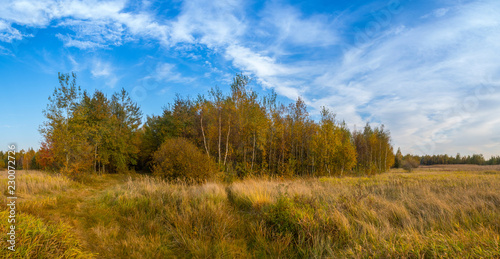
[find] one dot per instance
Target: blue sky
(428, 70)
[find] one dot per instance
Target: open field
(460, 167)
(432, 212)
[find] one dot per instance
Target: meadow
(433, 212)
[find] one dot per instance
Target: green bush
(177, 158)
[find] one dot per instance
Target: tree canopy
(239, 132)
(89, 132)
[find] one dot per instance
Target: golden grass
(35, 182)
(425, 214)
(35, 190)
(37, 239)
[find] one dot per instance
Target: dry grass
(425, 214)
(36, 182)
(149, 218)
(37, 238)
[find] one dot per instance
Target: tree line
(475, 159)
(415, 160)
(24, 159)
(238, 132)
(244, 134)
(89, 132)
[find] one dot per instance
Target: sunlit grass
(453, 214)
(36, 182)
(38, 239)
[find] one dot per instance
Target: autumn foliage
(250, 135)
(86, 133)
(238, 133)
(178, 158)
(45, 158)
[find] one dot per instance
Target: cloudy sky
(428, 70)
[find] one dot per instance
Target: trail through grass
(49, 214)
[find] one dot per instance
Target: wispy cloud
(92, 34)
(80, 44)
(437, 13)
(5, 51)
(216, 24)
(167, 72)
(8, 33)
(412, 80)
(102, 69)
(95, 23)
(287, 25)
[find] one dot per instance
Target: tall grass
(36, 182)
(149, 218)
(395, 215)
(35, 190)
(392, 215)
(37, 238)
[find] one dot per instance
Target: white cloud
(92, 34)
(437, 13)
(31, 13)
(261, 65)
(167, 72)
(8, 34)
(212, 23)
(287, 26)
(5, 51)
(418, 81)
(102, 69)
(96, 23)
(220, 25)
(74, 63)
(81, 44)
(289, 80)
(441, 12)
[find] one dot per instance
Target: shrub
(410, 163)
(177, 158)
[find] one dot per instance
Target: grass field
(432, 212)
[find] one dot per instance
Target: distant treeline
(476, 159)
(239, 133)
(23, 159)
